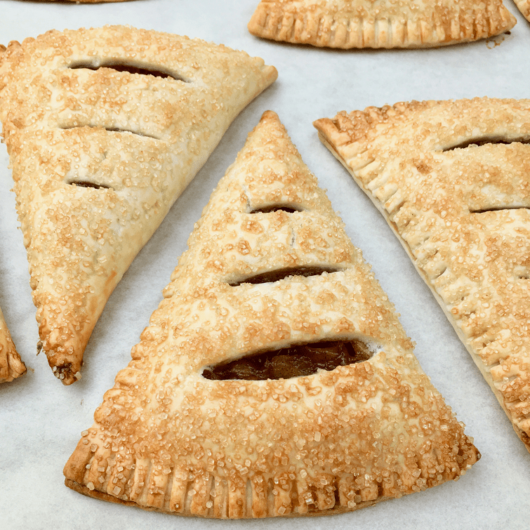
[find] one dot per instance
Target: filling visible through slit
(485, 141)
(111, 129)
(121, 67)
(280, 274)
(86, 184)
(293, 361)
(276, 208)
(498, 209)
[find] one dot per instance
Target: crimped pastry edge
(79, 488)
(273, 22)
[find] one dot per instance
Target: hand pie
(452, 178)
(380, 23)
(524, 8)
(11, 366)
(275, 378)
(105, 128)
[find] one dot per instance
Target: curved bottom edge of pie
(79, 488)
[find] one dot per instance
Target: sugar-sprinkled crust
(524, 8)
(168, 439)
(11, 365)
(379, 23)
(138, 139)
(462, 214)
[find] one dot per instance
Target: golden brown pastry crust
(441, 199)
(379, 23)
(11, 365)
(139, 139)
(168, 439)
(524, 8)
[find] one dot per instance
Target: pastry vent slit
(292, 361)
(498, 209)
(276, 208)
(87, 184)
(486, 140)
(281, 274)
(143, 69)
(113, 130)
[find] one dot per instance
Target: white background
(41, 420)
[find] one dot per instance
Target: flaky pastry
(11, 365)
(524, 8)
(275, 378)
(452, 178)
(380, 23)
(105, 128)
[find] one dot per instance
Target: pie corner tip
(11, 365)
(269, 119)
(270, 115)
(270, 72)
(16, 369)
(256, 22)
(66, 375)
(67, 371)
(324, 126)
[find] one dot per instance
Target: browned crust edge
(79, 488)
(274, 22)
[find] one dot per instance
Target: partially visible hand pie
(105, 128)
(380, 23)
(524, 8)
(275, 378)
(452, 178)
(11, 365)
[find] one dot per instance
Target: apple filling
(293, 361)
(280, 274)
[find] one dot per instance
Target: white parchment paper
(41, 421)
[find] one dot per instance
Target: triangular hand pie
(11, 366)
(380, 23)
(105, 128)
(524, 8)
(452, 178)
(275, 378)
